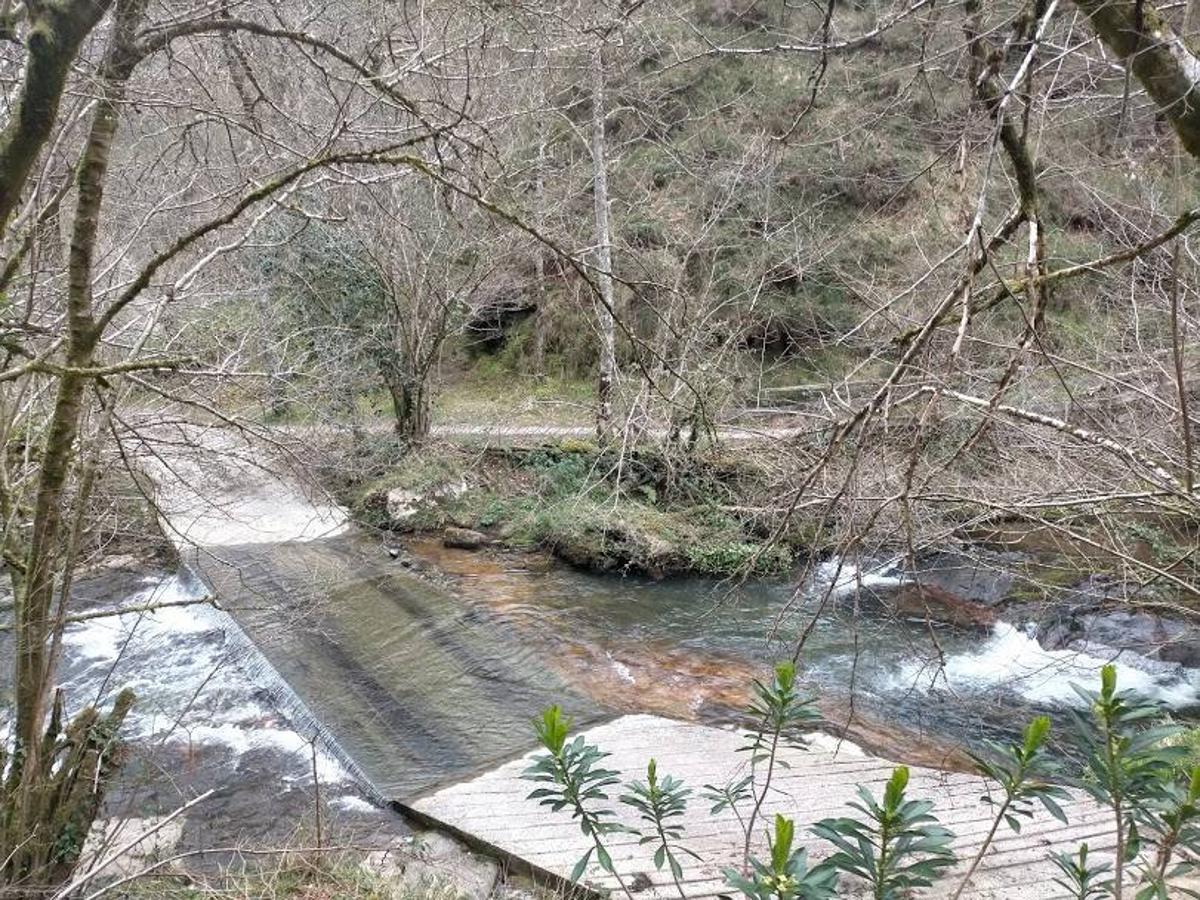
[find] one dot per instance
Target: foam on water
(353, 803)
(1013, 659)
(620, 668)
(846, 577)
(199, 680)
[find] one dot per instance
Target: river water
(405, 684)
(328, 649)
(690, 647)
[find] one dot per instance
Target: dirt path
(501, 433)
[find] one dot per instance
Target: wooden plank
(816, 783)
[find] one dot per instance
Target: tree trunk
(606, 310)
(272, 362)
(541, 315)
(410, 406)
(53, 782)
(56, 31)
(1161, 59)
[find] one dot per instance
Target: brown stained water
(636, 674)
(690, 648)
(409, 683)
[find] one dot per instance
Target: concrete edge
(509, 862)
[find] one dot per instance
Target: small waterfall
(1013, 659)
(266, 679)
(840, 577)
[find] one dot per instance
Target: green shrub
(729, 557)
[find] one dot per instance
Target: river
(402, 682)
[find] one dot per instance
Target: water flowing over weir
(266, 678)
(403, 683)
(412, 685)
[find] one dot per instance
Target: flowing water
(416, 684)
(329, 653)
(404, 685)
(689, 647)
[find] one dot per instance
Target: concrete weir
(492, 810)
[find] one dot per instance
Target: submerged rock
(946, 588)
(978, 577)
(463, 538)
(936, 604)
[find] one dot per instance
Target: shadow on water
(417, 685)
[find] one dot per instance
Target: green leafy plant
(786, 875)
(730, 796)
(1081, 880)
(782, 714)
(1173, 820)
(659, 803)
(1129, 762)
(1020, 770)
(575, 781)
(899, 847)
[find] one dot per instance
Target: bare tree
(88, 323)
(606, 310)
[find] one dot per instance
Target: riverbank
(1081, 577)
(633, 512)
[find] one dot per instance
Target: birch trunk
(606, 311)
(541, 316)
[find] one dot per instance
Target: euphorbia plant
(782, 715)
(576, 782)
(785, 875)
(1084, 880)
(1173, 821)
(899, 846)
(1020, 770)
(661, 803)
(1129, 763)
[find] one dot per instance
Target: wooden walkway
(493, 810)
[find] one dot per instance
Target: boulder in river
(981, 577)
(1142, 631)
(463, 538)
(946, 588)
(936, 604)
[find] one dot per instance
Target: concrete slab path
(818, 783)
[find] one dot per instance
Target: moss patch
(640, 513)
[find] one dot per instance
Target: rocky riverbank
(718, 516)
(602, 512)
